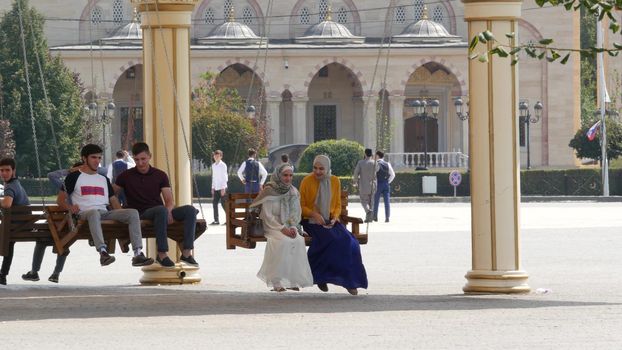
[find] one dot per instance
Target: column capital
(273, 99)
(397, 98)
(369, 98)
(300, 99)
(475, 10)
(164, 5)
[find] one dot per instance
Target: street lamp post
(425, 114)
(460, 112)
(107, 113)
(527, 118)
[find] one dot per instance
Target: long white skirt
(285, 262)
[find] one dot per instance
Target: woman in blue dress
(334, 255)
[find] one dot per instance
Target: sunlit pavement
(415, 263)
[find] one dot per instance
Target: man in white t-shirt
(219, 184)
(91, 194)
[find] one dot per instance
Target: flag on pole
(591, 133)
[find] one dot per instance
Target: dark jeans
(7, 260)
(39, 252)
(159, 216)
(251, 187)
(218, 198)
(384, 190)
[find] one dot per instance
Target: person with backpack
(364, 178)
(384, 176)
(252, 173)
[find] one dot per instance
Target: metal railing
(435, 160)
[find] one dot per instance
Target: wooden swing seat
(52, 224)
(236, 207)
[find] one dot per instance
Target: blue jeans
(384, 190)
(159, 216)
(251, 187)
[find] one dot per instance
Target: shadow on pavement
(134, 301)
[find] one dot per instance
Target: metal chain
(32, 115)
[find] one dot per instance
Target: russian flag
(591, 133)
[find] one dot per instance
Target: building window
(400, 15)
(117, 11)
(438, 14)
(323, 73)
(208, 16)
(247, 16)
(323, 10)
(418, 9)
(342, 15)
(305, 18)
(227, 8)
(96, 15)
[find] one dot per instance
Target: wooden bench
(53, 225)
(236, 207)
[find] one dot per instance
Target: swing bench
(236, 207)
(52, 224)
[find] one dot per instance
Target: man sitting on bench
(144, 187)
(91, 194)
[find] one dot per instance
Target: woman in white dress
(285, 264)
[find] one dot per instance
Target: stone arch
(240, 76)
(354, 12)
(201, 29)
(356, 73)
(539, 73)
(461, 87)
(127, 126)
(248, 64)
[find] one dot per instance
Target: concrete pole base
(496, 282)
(180, 274)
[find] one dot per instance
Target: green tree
(588, 67)
(218, 122)
(584, 148)
(343, 154)
(65, 108)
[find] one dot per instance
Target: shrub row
(564, 182)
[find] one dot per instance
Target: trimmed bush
(343, 155)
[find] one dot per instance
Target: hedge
(562, 182)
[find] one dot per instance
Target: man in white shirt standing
(219, 183)
(252, 173)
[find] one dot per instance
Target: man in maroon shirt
(145, 187)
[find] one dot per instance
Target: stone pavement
(416, 266)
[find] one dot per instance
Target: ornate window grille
(117, 11)
(438, 14)
(342, 15)
(305, 17)
(227, 8)
(247, 16)
(96, 15)
(418, 9)
(323, 10)
(209, 16)
(400, 15)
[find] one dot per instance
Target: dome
(231, 33)
(329, 32)
(426, 31)
(129, 34)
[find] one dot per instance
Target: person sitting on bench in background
(14, 195)
(144, 187)
(91, 194)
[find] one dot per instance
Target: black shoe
(105, 258)
(166, 262)
(53, 278)
(323, 287)
(368, 216)
(141, 260)
(215, 223)
(3, 279)
(189, 260)
(386, 220)
(30, 276)
(376, 219)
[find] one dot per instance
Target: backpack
(383, 171)
(251, 170)
(118, 166)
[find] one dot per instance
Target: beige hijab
(322, 200)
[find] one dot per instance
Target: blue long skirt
(335, 256)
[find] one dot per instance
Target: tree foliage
(65, 107)
(584, 148)
(218, 122)
(545, 48)
(343, 154)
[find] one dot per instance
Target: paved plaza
(416, 266)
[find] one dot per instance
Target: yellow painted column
(166, 56)
(494, 155)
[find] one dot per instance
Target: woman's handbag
(255, 224)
